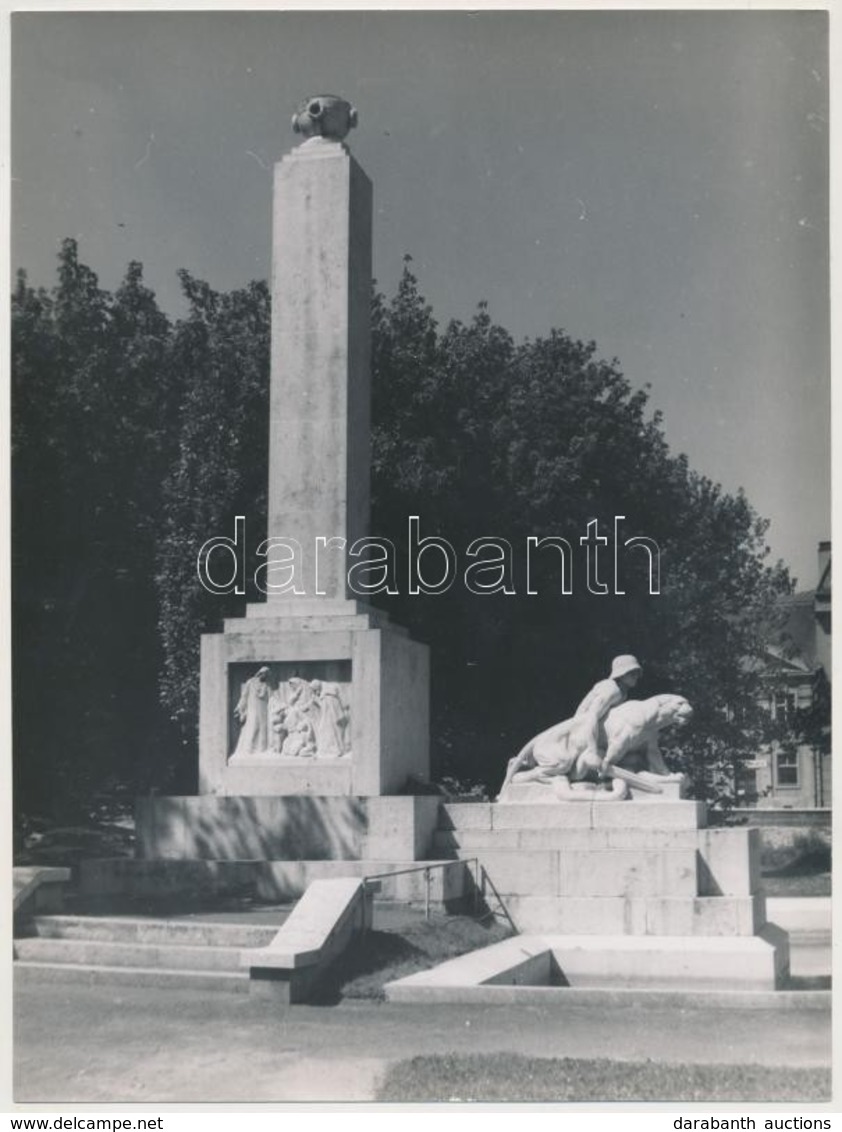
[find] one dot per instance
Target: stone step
(101, 953)
(644, 916)
(448, 841)
(30, 971)
(589, 873)
(584, 815)
(756, 964)
(146, 930)
(728, 860)
(714, 963)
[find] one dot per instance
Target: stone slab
(706, 915)
(616, 961)
(615, 998)
(576, 915)
(284, 827)
(320, 926)
(646, 815)
(729, 862)
(97, 952)
(259, 827)
(31, 971)
(801, 914)
(389, 709)
(270, 881)
(616, 816)
(626, 872)
(465, 815)
(38, 888)
(536, 815)
(539, 793)
(522, 872)
(640, 915)
(574, 872)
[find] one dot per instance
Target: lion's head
(673, 711)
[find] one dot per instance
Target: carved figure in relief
(332, 723)
(300, 741)
(252, 711)
(277, 715)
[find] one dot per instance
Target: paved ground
(77, 1044)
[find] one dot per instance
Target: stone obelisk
(312, 692)
(319, 432)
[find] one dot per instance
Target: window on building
(784, 705)
(786, 764)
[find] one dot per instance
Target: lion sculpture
(562, 755)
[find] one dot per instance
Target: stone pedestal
(383, 680)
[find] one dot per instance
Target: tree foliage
(135, 440)
(89, 444)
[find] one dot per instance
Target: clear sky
(656, 181)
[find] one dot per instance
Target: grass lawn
(513, 1077)
(410, 944)
(818, 884)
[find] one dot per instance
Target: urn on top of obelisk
(324, 116)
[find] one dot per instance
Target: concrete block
(670, 792)
(729, 861)
(536, 815)
(706, 916)
(389, 708)
(804, 915)
(646, 815)
(38, 888)
(644, 837)
(612, 962)
(319, 928)
(222, 828)
(173, 957)
(447, 842)
(400, 828)
(270, 881)
(527, 872)
(465, 815)
(564, 839)
(254, 774)
(627, 873)
(583, 915)
(714, 962)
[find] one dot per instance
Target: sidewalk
(106, 1044)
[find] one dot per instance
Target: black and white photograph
(420, 527)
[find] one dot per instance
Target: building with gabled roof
(797, 775)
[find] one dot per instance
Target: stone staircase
(202, 954)
(598, 876)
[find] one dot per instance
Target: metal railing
(426, 869)
(487, 880)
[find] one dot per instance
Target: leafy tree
(134, 441)
(221, 351)
(478, 435)
(89, 385)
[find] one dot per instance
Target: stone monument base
(380, 677)
(669, 790)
